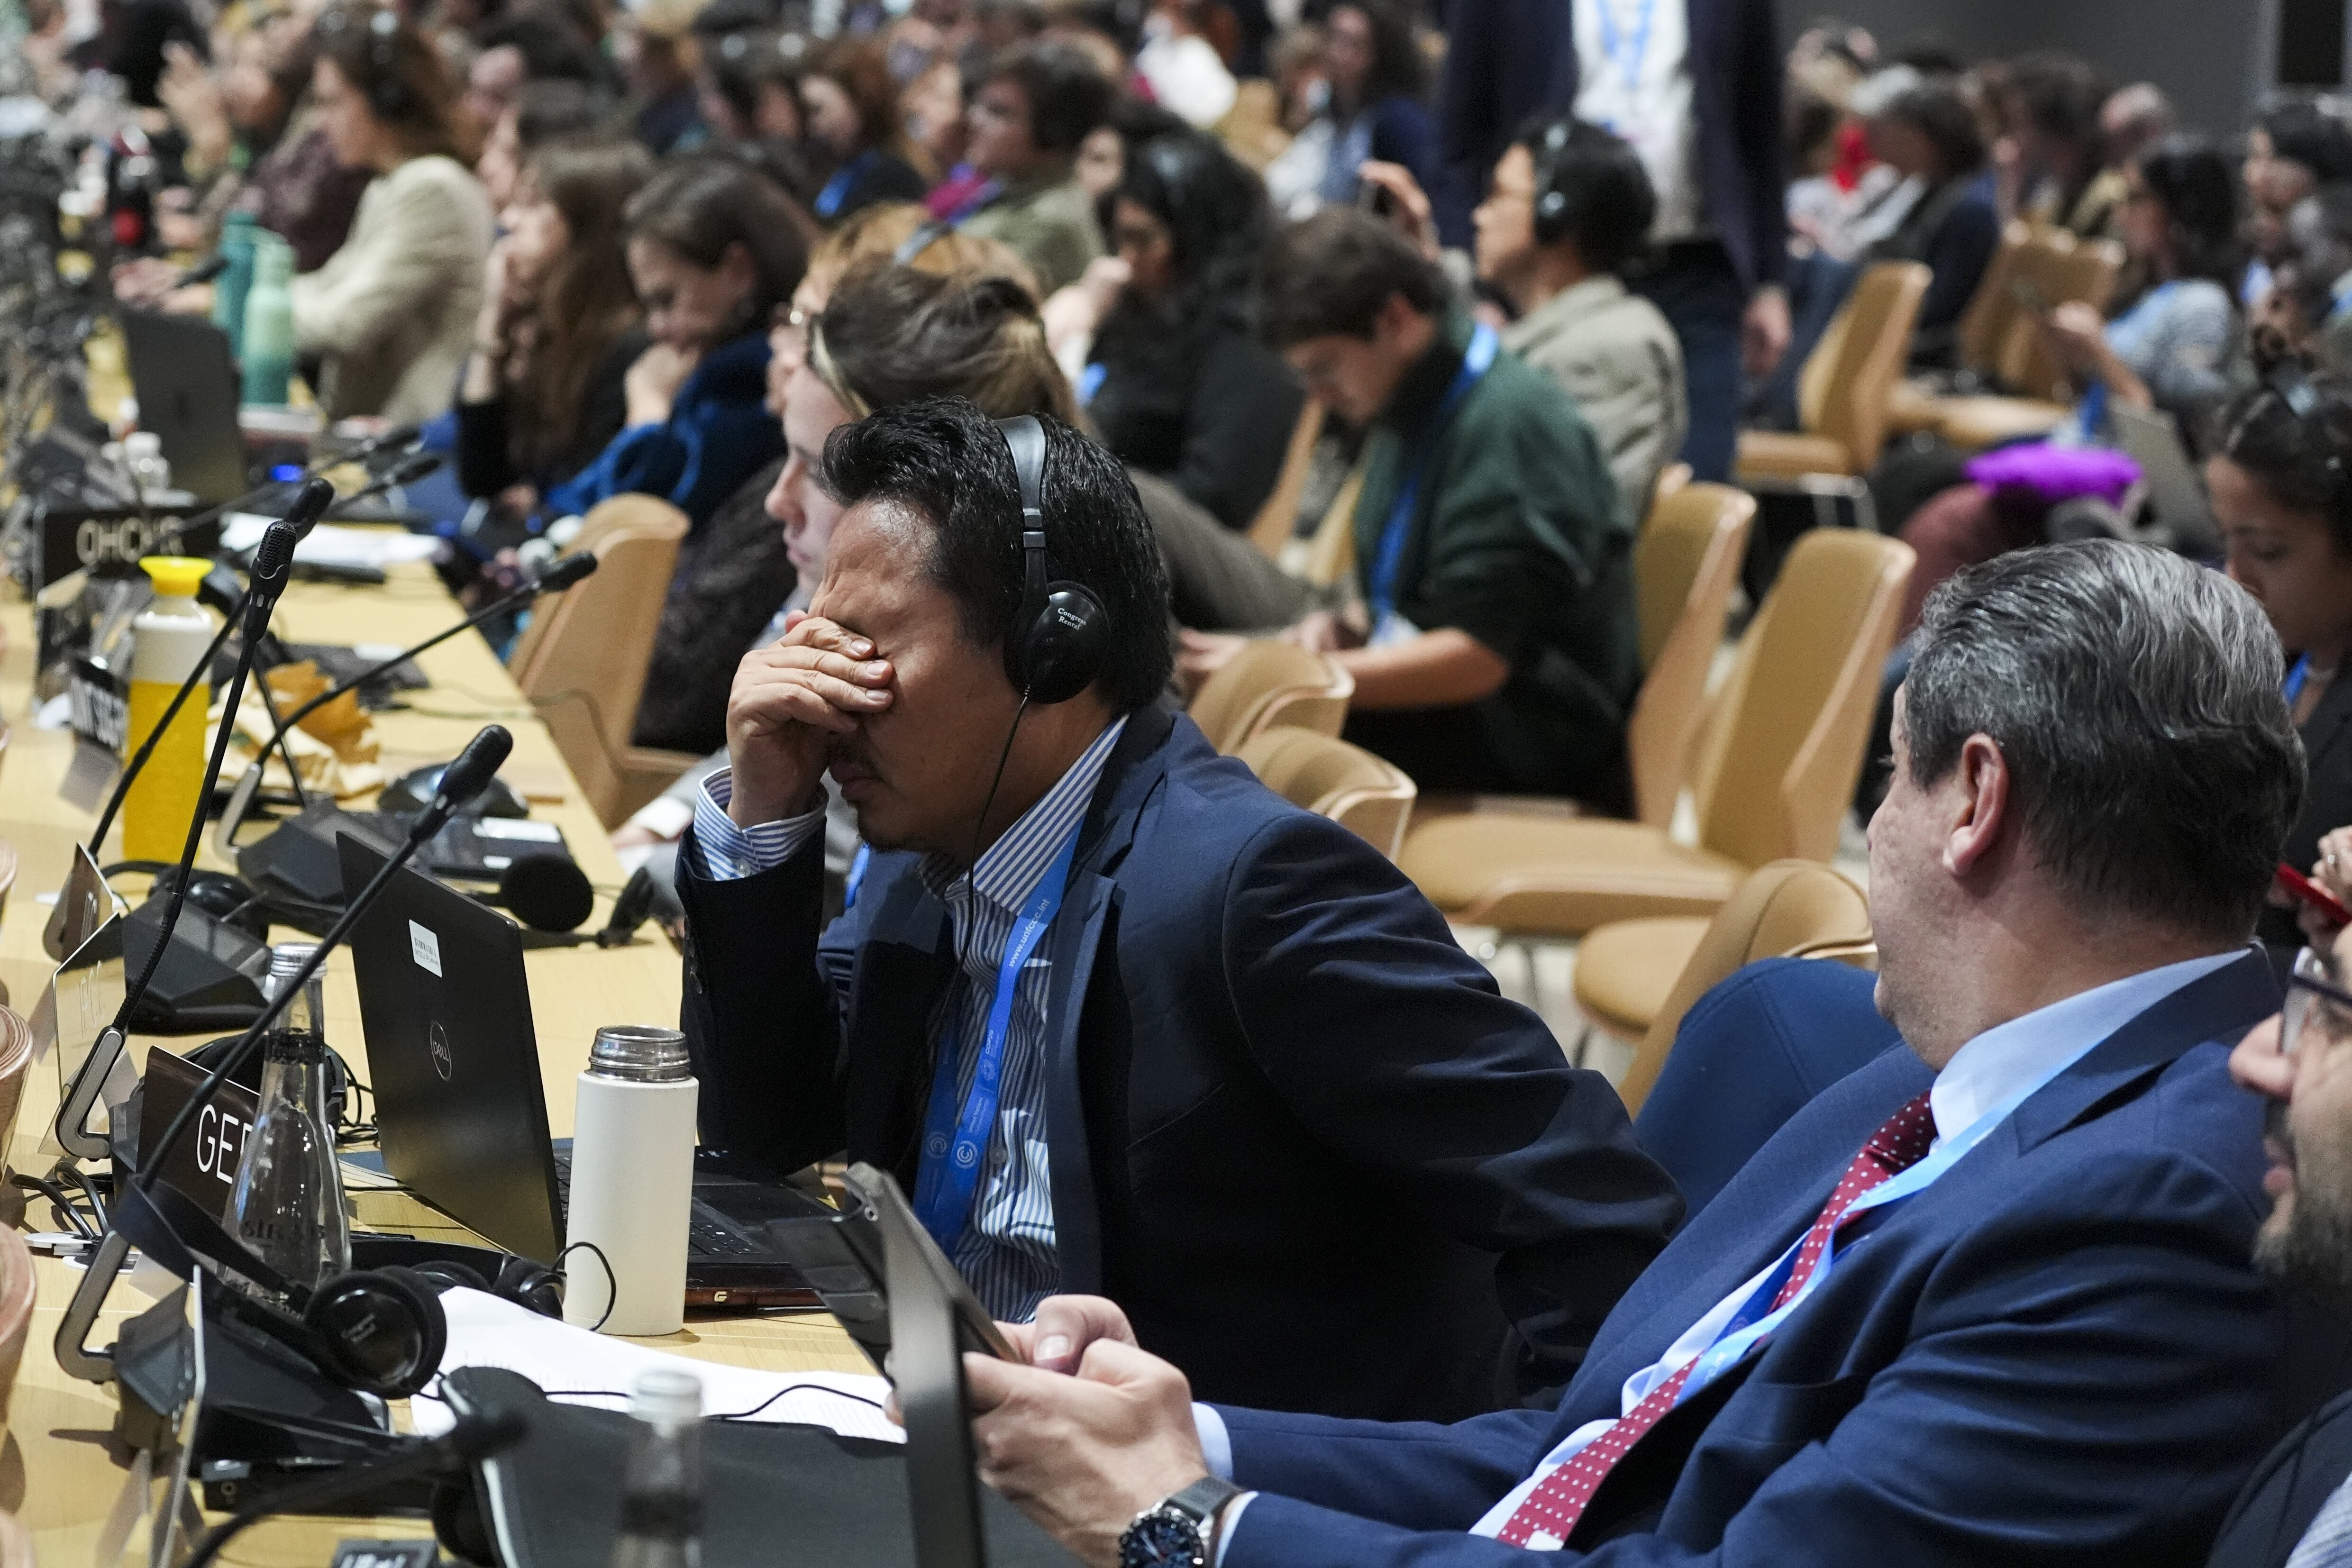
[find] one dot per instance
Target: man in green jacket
(1496, 650)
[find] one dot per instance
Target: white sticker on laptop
(515, 827)
(426, 948)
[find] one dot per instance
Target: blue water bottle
(238, 230)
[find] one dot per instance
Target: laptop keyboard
(705, 1235)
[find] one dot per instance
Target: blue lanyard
(836, 190)
(953, 1143)
(1756, 1319)
(1628, 62)
(1475, 361)
(2295, 677)
(857, 878)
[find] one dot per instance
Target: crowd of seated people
(788, 283)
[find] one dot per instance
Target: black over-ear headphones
(1061, 635)
(382, 1330)
(1553, 216)
(387, 95)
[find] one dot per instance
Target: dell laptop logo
(438, 1040)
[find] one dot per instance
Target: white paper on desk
(484, 1330)
(328, 545)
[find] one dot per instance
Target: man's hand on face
(1084, 1455)
(790, 701)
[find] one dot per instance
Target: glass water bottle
(288, 1205)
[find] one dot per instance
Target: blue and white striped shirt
(1006, 1252)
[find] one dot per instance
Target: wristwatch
(1176, 1533)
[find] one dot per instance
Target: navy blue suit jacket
(1506, 59)
(2058, 1354)
(1293, 1130)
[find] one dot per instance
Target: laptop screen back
(186, 383)
(452, 1059)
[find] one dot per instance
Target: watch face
(1161, 1539)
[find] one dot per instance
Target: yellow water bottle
(169, 639)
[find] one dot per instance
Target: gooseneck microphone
(272, 565)
(474, 1437)
(309, 504)
(203, 271)
(559, 575)
(460, 781)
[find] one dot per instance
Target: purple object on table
(2056, 474)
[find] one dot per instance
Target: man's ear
(1395, 318)
(1980, 805)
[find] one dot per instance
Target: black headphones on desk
(1061, 634)
(384, 1331)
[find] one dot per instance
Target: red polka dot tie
(1552, 1509)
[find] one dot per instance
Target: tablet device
(879, 1218)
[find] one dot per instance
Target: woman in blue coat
(713, 250)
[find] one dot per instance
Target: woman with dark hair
(542, 393)
(713, 249)
(2181, 346)
(1375, 78)
(885, 334)
(850, 105)
(392, 312)
(1925, 132)
(1178, 384)
(2279, 492)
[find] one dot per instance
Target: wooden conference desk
(58, 1474)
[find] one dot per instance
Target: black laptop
(186, 378)
(460, 1111)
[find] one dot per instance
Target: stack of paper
(578, 1367)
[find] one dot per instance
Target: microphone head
(467, 776)
(310, 503)
(399, 436)
(413, 467)
(547, 891)
(271, 558)
(565, 573)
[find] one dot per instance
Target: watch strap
(1204, 1497)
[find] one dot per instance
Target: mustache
(2275, 1129)
(851, 750)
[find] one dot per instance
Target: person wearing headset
(1569, 208)
(392, 312)
(1118, 1016)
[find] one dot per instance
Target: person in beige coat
(391, 313)
(1567, 210)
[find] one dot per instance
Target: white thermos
(632, 1184)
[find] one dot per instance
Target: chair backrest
(1992, 309)
(2063, 270)
(1850, 376)
(1671, 478)
(1278, 520)
(1369, 795)
(1804, 699)
(1684, 566)
(582, 659)
(1789, 909)
(1270, 684)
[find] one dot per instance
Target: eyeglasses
(2312, 998)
